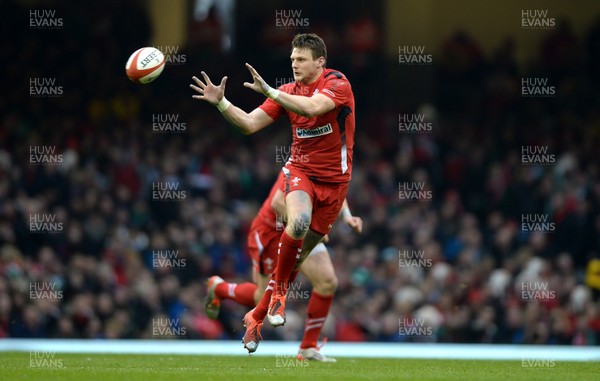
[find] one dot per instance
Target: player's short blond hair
(310, 41)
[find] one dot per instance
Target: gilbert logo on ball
(145, 65)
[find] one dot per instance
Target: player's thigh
(255, 248)
(318, 268)
(328, 202)
(255, 275)
(299, 195)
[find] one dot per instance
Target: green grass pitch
(91, 367)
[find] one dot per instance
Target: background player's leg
(261, 281)
(246, 294)
(318, 269)
(217, 289)
(242, 293)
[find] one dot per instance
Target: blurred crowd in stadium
(478, 256)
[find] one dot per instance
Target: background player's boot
(314, 354)
(276, 314)
(212, 304)
(252, 336)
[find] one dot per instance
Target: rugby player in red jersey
(320, 107)
(263, 239)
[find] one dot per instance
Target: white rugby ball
(145, 65)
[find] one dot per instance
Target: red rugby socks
(317, 311)
(289, 252)
(242, 293)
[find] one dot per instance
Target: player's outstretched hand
(207, 90)
(259, 85)
(355, 223)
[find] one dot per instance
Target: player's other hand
(259, 85)
(355, 223)
(208, 91)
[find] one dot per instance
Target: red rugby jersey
(322, 146)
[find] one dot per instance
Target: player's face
(306, 69)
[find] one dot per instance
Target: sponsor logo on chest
(303, 133)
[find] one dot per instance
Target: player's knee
(298, 225)
(327, 285)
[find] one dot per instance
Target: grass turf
(101, 367)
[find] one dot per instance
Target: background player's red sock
(318, 308)
(260, 311)
(288, 254)
(242, 293)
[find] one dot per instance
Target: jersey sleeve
(272, 108)
(337, 89)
